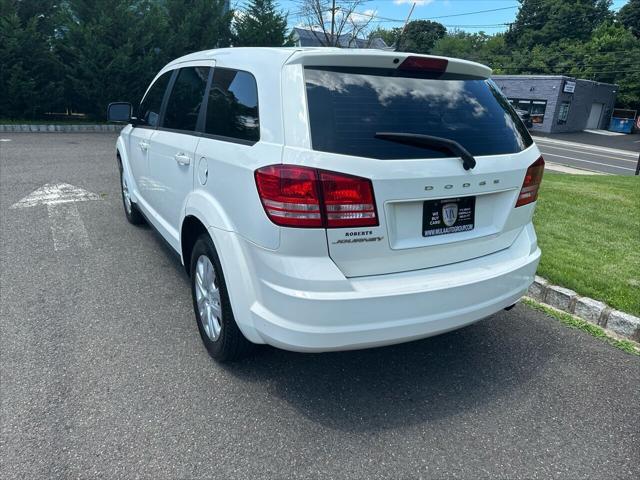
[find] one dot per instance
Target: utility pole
(408, 17)
(404, 26)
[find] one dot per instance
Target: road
(589, 157)
(103, 374)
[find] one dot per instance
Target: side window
(185, 99)
(232, 109)
(149, 110)
(535, 108)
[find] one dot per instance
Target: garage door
(594, 116)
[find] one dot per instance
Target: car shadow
(412, 383)
(383, 388)
(173, 260)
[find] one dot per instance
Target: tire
(130, 208)
(218, 329)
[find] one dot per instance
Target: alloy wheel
(208, 297)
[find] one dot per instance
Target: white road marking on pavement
(51, 194)
(604, 132)
(67, 227)
(589, 153)
(587, 161)
(543, 140)
(5, 139)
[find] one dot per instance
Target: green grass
(591, 329)
(589, 232)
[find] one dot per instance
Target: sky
(503, 11)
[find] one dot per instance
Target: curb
(620, 323)
(568, 169)
(60, 128)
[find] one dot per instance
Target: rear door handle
(143, 146)
(182, 159)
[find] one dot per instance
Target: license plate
(453, 215)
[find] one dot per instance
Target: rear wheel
(130, 208)
(220, 333)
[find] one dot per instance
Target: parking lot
(103, 373)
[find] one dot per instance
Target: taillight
(531, 183)
(290, 195)
(348, 201)
(295, 196)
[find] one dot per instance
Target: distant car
(525, 116)
(333, 199)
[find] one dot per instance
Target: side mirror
(119, 112)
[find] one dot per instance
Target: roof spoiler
(335, 57)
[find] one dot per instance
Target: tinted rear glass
(232, 110)
(348, 107)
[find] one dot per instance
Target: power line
(439, 16)
(377, 19)
(397, 20)
(563, 54)
(380, 19)
(473, 13)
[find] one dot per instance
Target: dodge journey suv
(328, 199)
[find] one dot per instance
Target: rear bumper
(308, 305)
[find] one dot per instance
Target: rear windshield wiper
(435, 143)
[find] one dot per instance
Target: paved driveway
(103, 374)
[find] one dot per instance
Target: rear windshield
(348, 106)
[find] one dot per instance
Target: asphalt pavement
(594, 152)
(103, 374)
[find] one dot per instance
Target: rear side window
(186, 98)
(232, 108)
(149, 110)
(347, 107)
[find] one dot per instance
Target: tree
(389, 36)
(612, 55)
(335, 23)
(419, 36)
(194, 25)
(30, 76)
(261, 25)
(110, 49)
(629, 16)
(82, 54)
(460, 44)
(543, 22)
(478, 47)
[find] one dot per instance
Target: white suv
(329, 199)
